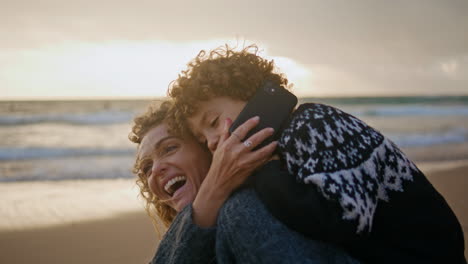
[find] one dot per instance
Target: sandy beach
(102, 221)
(90, 221)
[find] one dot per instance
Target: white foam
(29, 205)
(26, 153)
(96, 118)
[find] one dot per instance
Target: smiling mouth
(174, 184)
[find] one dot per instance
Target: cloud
(368, 43)
(323, 32)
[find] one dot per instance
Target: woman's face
(208, 122)
(175, 167)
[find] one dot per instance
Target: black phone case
(273, 104)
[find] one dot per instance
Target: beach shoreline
(108, 223)
(75, 221)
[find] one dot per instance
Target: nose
(159, 168)
(212, 143)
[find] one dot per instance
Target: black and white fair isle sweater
(343, 182)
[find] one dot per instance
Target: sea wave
(71, 168)
(390, 100)
(411, 110)
(51, 153)
(457, 135)
(96, 118)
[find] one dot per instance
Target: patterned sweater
(343, 182)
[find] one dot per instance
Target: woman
(173, 171)
(345, 182)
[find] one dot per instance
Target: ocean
(63, 140)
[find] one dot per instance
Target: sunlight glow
(449, 68)
(113, 69)
(297, 74)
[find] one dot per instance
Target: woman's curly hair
(221, 72)
(156, 114)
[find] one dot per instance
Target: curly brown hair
(157, 113)
(221, 72)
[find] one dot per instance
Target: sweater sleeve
(185, 242)
(347, 167)
(299, 206)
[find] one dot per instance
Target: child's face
(208, 122)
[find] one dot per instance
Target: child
(338, 180)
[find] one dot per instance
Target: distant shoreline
(353, 98)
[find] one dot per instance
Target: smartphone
(273, 104)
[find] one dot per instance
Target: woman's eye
(214, 122)
(147, 170)
(168, 149)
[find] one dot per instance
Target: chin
(183, 199)
(182, 203)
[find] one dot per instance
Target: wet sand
(102, 221)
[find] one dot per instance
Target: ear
(227, 125)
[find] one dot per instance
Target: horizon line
(160, 98)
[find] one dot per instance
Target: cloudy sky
(76, 49)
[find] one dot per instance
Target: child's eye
(214, 122)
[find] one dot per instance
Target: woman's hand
(233, 161)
